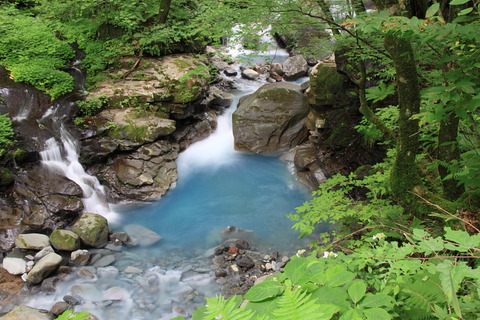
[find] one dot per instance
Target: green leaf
(464, 240)
(376, 314)
(465, 11)
(264, 290)
(357, 290)
(432, 10)
(296, 270)
(458, 2)
(377, 300)
(338, 275)
(353, 314)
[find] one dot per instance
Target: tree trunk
(164, 10)
(447, 151)
(404, 175)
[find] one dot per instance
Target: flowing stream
(217, 187)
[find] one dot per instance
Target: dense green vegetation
(406, 231)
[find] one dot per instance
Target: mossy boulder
(271, 120)
(92, 230)
(65, 240)
(6, 177)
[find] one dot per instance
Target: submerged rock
(141, 236)
(271, 119)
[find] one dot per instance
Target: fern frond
(296, 305)
(424, 291)
(219, 308)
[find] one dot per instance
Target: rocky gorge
(149, 116)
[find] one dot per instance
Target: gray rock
(277, 68)
(218, 98)
(27, 313)
(59, 307)
(245, 262)
(65, 240)
(295, 67)
(44, 267)
(104, 261)
(32, 241)
(80, 257)
(230, 72)
(92, 229)
(271, 120)
(141, 236)
(250, 74)
(134, 270)
(42, 253)
(15, 262)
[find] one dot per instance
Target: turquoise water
(254, 193)
(219, 187)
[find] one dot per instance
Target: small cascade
(64, 159)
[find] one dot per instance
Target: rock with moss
(92, 230)
(180, 78)
(65, 240)
(27, 313)
(271, 119)
(32, 241)
(6, 177)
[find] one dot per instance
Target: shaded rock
(245, 262)
(15, 262)
(49, 285)
(120, 236)
(271, 119)
(27, 313)
(92, 230)
(65, 240)
(295, 67)
(277, 68)
(141, 236)
(59, 307)
(145, 174)
(230, 72)
(32, 241)
(44, 267)
(217, 98)
(250, 74)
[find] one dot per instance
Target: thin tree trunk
(164, 10)
(447, 151)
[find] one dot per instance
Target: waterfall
(64, 159)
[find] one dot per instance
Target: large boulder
(271, 119)
(145, 174)
(44, 267)
(27, 313)
(92, 230)
(179, 78)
